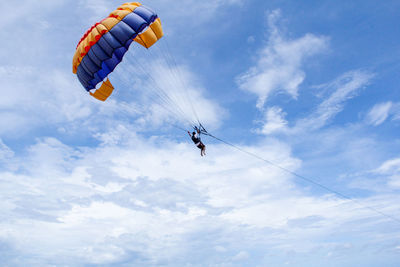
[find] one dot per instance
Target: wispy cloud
(279, 64)
(380, 112)
(391, 170)
(37, 100)
(274, 121)
(96, 10)
(5, 152)
(22, 13)
(203, 10)
(343, 89)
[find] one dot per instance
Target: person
(197, 141)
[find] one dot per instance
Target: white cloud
(5, 152)
(37, 85)
(380, 112)
(183, 10)
(242, 255)
(96, 10)
(13, 13)
(279, 64)
(396, 111)
(344, 88)
(391, 170)
(395, 181)
(274, 121)
(37, 100)
(151, 197)
(389, 166)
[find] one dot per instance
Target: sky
(309, 86)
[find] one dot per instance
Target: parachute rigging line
(163, 103)
(173, 82)
(150, 70)
(303, 178)
(164, 98)
(179, 75)
(171, 111)
(175, 74)
(166, 107)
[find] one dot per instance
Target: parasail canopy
(104, 45)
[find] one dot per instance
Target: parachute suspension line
(141, 64)
(172, 82)
(179, 75)
(172, 112)
(160, 94)
(163, 106)
(181, 89)
(166, 106)
(172, 71)
(163, 95)
(164, 103)
(306, 179)
(128, 85)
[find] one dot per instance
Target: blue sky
(312, 86)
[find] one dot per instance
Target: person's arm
(189, 134)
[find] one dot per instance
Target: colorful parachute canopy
(104, 45)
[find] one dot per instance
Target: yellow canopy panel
(104, 91)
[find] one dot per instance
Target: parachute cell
(104, 45)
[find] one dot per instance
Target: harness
(200, 129)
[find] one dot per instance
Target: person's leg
(201, 149)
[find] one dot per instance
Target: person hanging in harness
(197, 141)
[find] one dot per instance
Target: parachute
(149, 66)
(104, 45)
